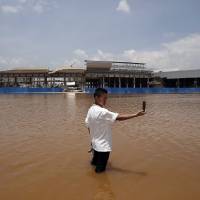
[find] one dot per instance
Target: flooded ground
(44, 144)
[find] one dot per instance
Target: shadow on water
(112, 168)
(127, 171)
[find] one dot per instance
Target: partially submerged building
(179, 79)
(34, 77)
(94, 74)
(116, 74)
(111, 74)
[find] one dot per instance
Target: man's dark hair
(99, 91)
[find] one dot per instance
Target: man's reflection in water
(104, 188)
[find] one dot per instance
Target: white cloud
(181, 54)
(80, 53)
(2, 61)
(79, 56)
(100, 55)
(22, 1)
(38, 6)
(169, 35)
(8, 63)
(177, 55)
(10, 9)
(75, 62)
(123, 6)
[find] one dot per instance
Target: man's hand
(140, 113)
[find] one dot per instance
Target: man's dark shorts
(100, 160)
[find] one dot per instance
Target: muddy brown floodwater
(44, 144)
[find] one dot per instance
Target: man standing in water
(99, 121)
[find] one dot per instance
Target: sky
(164, 34)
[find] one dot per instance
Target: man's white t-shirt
(99, 120)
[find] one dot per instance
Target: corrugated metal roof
(69, 70)
(98, 64)
(109, 61)
(179, 74)
(93, 65)
(27, 70)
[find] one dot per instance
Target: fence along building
(94, 74)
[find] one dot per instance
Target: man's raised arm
(122, 117)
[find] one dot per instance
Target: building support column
(15, 81)
(65, 80)
(45, 81)
(195, 83)
(148, 82)
(103, 82)
(30, 81)
(127, 82)
(140, 83)
(8, 82)
(134, 82)
(177, 83)
(114, 82)
(51, 81)
(82, 83)
(119, 82)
